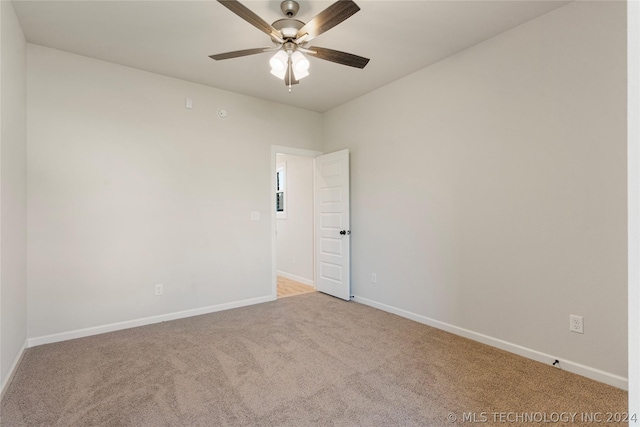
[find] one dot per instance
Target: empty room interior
(475, 262)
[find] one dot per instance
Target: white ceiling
(174, 38)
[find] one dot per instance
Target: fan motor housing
(288, 27)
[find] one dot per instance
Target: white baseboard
(80, 333)
(296, 278)
(567, 365)
(12, 370)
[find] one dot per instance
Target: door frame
(292, 151)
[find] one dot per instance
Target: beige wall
(489, 190)
(13, 214)
(128, 189)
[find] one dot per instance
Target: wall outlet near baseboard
(374, 278)
(159, 289)
(576, 324)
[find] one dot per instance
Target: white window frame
(281, 187)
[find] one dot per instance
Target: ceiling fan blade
(343, 58)
(245, 13)
(327, 19)
(239, 53)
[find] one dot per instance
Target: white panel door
(332, 224)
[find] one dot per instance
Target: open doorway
(294, 225)
(330, 250)
(293, 221)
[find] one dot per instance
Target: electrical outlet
(576, 324)
(293, 260)
(159, 289)
(374, 278)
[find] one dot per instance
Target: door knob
(345, 232)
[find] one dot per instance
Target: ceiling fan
(291, 37)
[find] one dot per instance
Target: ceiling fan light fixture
(279, 74)
(279, 63)
(300, 65)
(299, 75)
(291, 36)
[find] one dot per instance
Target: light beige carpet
(309, 360)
